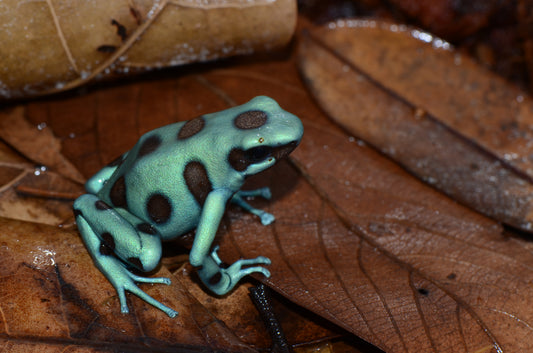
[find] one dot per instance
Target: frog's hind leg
(97, 181)
(117, 240)
(238, 199)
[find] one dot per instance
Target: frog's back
(166, 177)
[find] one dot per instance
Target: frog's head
(266, 133)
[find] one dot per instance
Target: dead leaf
(357, 239)
(453, 124)
(33, 193)
(385, 256)
(242, 318)
(449, 19)
(48, 279)
(50, 46)
(37, 144)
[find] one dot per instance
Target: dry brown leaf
(450, 122)
(37, 144)
(358, 240)
(242, 318)
(54, 298)
(49, 46)
(33, 193)
(385, 256)
(451, 19)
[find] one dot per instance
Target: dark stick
(261, 298)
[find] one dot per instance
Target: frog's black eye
(258, 154)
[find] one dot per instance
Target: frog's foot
(222, 280)
(238, 199)
(117, 240)
(123, 280)
(261, 192)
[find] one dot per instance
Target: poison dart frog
(177, 178)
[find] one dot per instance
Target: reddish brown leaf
(48, 46)
(243, 319)
(452, 19)
(358, 240)
(453, 124)
(386, 257)
(37, 144)
(53, 293)
(34, 193)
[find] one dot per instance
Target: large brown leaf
(121, 115)
(50, 46)
(357, 239)
(33, 192)
(53, 297)
(388, 258)
(450, 122)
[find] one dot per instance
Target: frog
(176, 179)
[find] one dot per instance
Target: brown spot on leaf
(108, 49)
(121, 30)
(423, 291)
(136, 15)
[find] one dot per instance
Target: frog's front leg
(218, 279)
(97, 181)
(117, 240)
(238, 199)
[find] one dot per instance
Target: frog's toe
(265, 193)
(141, 294)
(236, 273)
(124, 309)
(263, 260)
(267, 218)
(153, 280)
(257, 269)
(258, 260)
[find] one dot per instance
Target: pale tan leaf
(49, 46)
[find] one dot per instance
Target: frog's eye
(258, 154)
(241, 159)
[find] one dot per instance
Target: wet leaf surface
(450, 122)
(37, 144)
(49, 280)
(34, 193)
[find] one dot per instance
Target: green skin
(177, 178)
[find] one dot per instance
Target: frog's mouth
(240, 159)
